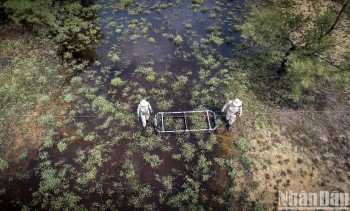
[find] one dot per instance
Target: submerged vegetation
(71, 82)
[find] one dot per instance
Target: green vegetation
(35, 12)
(153, 160)
(151, 40)
(241, 143)
(3, 165)
(300, 45)
(71, 24)
(178, 40)
(117, 82)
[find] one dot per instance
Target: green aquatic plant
(114, 57)
(217, 9)
(61, 146)
(176, 156)
(229, 40)
(204, 9)
(212, 15)
(180, 83)
(123, 4)
(117, 82)
(102, 105)
(204, 164)
(145, 31)
(151, 40)
(167, 181)
(216, 39)
(198, 121)
(3, 165)
(165, 105)
(134, 37)
(90, 136)
(208, 145)
(146, 72)
(153, 160)
(178, 40)
(188, 25)
(189, 198)
(188, 151)
(111, 24)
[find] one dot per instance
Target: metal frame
(210, 118)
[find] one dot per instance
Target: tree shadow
(264, 80)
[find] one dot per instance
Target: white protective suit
(144, 109)
(234, 109)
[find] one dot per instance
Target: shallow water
(125, 39)
(163, 56)
(171, 20)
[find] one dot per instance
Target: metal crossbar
(161, 117)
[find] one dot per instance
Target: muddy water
(192, 25)
(171, 20)
(124, 35)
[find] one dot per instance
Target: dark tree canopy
(70, 23)
(307, 39)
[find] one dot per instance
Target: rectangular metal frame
(161, 129)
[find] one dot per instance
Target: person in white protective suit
(144, 110)
(234, 109)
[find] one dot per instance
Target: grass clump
(147, 72)
(204, 9)
(123, 4)
(153, 160)
(165, 104)
(117, 82)
(103, 106)
(114, 57)
(241, 143)
(134, 37)
(151, 40)
(198, 2)
(61, 146)
(68, 98)
(246, 159)
(229, 40)
(216, 39)
(212, 15)
(188, 151)
(178, 40)
(188, 26)
(3, 164)
(180, 83)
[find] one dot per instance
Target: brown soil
(300, 151)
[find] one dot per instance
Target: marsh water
(174, 54)
(148, 39)
(140, 47)
(128, 35)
